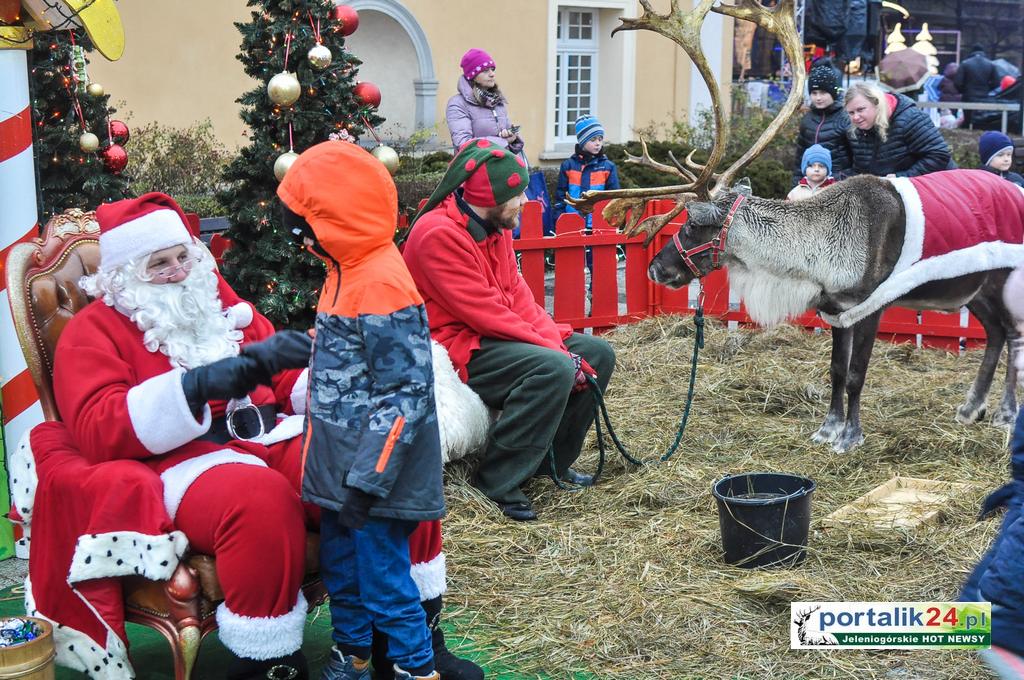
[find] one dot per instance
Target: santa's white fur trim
(144, 235)
(160, 414)
(262, 637)
(178, 478)
(21, 469)
(241, 314)
(463, 419)
(126, 553)
(430, 577)
(910, 271)
(286, 428)
(298, 394)
(78, 651)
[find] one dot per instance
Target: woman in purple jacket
(480, 109)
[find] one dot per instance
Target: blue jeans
(367, 577)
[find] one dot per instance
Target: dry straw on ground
(626, 580)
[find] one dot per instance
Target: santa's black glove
(230, 378)
(282, 350)
(355, 508)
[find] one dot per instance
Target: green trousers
(532, 386)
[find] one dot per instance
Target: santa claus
(181, 409)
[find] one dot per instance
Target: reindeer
(837, 252)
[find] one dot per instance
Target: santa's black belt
(246, 422)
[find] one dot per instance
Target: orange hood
(347, 197)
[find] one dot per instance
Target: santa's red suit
(237, 501)
(127, 483)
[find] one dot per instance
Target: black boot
(447, 664)
(291, 667)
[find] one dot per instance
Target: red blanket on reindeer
(958, 222)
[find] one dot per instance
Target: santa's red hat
(136, 227)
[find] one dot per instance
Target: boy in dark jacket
(372, 452)
(999, 577)
(587, 169)
(996, 152)
(826, 123)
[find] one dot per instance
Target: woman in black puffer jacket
(891, 136)
(826, 123)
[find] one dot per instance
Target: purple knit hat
(474, 61)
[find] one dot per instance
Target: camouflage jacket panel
(372, 423)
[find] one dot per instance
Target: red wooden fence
(643, 298)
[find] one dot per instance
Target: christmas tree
(307, 93)
(78, 145)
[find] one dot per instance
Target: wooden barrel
(31, 660)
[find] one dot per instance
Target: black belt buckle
(245, 423)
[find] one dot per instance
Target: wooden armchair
(42, 280)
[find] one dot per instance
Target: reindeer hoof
(966, 415)
(850, 439)
(828, 432)
(1004, 417)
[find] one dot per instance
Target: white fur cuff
(430, 577)
(262, 637)
(21, 466)
(240, 314)
(178, 478)
(126, 553)
(160, 414)
(77, 651)
(298, 395)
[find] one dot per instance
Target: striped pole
(19, 403)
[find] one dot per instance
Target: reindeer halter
(715, 245)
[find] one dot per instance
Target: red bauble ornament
(114, 158)
(367, 93)
(348, 17)
(119, 132)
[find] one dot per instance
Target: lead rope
(601, 413)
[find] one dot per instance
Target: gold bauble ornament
(284, 89)
(94, 90)
(388, 156)
(319, 57)
(283, 163)
(88, 142)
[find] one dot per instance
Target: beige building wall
(180, 64)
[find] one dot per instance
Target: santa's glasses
(172, 271)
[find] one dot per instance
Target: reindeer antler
(683, 28)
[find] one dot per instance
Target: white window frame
(625, 8)
(565, 48)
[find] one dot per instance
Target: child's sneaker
(406, 675)
(341, 667)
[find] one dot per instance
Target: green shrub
(414, 188)
(964, 145)
(183, 162)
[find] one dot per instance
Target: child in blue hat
(816, 166)
(996, 152)
(588, 168)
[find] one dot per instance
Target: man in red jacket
(501, 342)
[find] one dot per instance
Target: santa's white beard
(183, 320)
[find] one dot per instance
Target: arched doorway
(396, 56)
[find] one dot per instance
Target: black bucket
(764, 518)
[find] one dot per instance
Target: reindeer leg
(973, 409)
(841, 343)
(1007, 412)
(860, 355)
